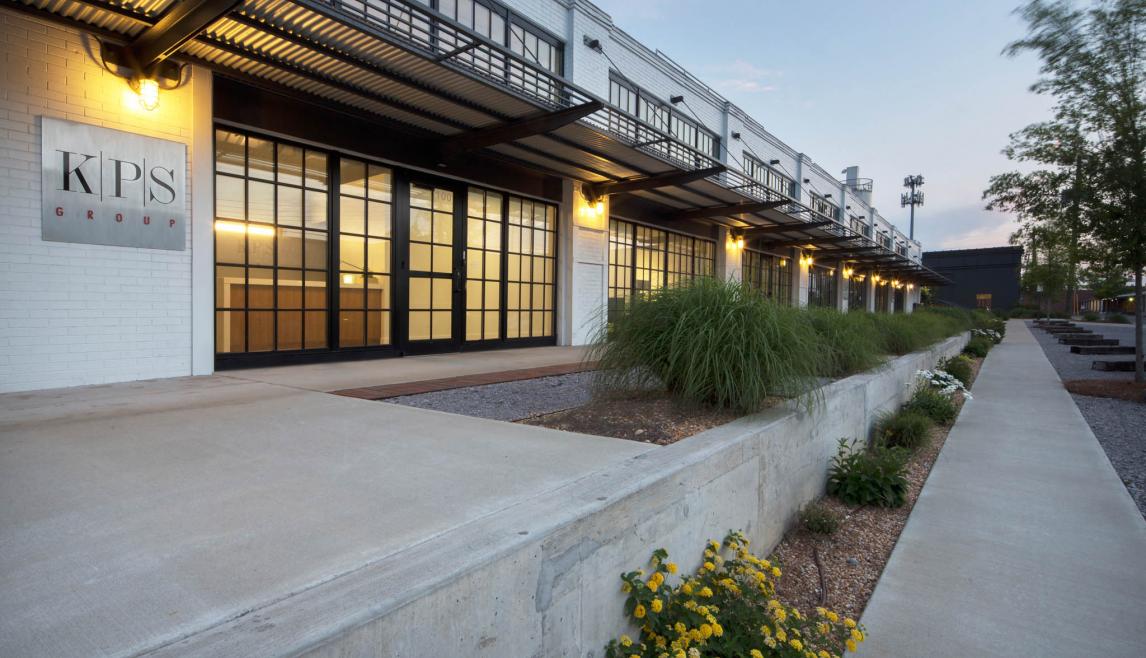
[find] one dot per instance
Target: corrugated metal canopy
(401, 61)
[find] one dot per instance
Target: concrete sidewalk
(1023, 542)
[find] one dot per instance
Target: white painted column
(800, 280)
(842, 285)
(202, 155)
(869, 299)
(729, 256)
(583, 280)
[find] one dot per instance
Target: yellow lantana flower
(851, 644)
(796, 644)
(705, 592)
(849, 622)
(755, 653)
(626, 641)
(857, 635)
(833, 617)
(710, 566)
(657, 605)
(639, 611)
(775, 572)
(671, 566)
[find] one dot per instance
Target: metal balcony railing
(457, 46)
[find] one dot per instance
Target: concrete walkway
(1023, 541)
(133, 515)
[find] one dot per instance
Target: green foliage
(958, 367)
(850, 342)
(906, 428)
(1117, 318)
(869, 477)
(727, 609)
(933, 404)
(978, 346)
(819, 519)
(1090, 316)
(711, 342)
(902, 333)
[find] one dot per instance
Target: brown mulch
(650, 418)
(1108, 388)
(866, 535)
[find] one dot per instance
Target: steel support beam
(726, 210)
(182, 23)
(652, 182)
(512, 131)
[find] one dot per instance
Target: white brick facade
(75, 314)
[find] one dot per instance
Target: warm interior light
(240, 227)
(148, 91)
(599, 207)
(348, 278)
(848, 272)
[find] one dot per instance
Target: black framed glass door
(432, 235)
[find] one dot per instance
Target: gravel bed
(509, 400)
(1119, 425)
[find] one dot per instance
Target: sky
(896, 87)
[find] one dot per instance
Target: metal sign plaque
(103, 186)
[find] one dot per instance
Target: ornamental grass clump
(959, 367)
(819, 519)
(712, 342)
(905, 428)
(850, 341)
(727, 609)
(978, 346)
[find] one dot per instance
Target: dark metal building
(980, 278)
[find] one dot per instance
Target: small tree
(1094, 64)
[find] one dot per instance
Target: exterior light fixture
(807, 181)
(599, 207)
(848, 272)
(827, 195)
(735, 135)
(774, 162)
(148, 91)
(593, 44)
(675, 99)
(740, 242)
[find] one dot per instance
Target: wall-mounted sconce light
(827, 195)
(593, 44)
(735, 135)
(847, 207)
(774, 162)
(848, 272)
(145, 80)
(807, 181)
(675, 99)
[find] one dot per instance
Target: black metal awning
(399, 60)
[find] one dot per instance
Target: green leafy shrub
(850, 342)
(869, 477)
(933, 404)
(1090, 316)
(905, 428)
(711, 342)
(978, 346)
(819, 519)
(727, 609)
(958, 367)
(1118, 318)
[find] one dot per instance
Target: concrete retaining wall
(541, 578)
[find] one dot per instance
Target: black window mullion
(333, 263)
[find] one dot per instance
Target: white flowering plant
(990, 334)
(942, 381)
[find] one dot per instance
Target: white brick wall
(79, 314)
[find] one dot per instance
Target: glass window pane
(315, 329)
(473, 294)
(442, 328)
(289, 330)
(352, 177)
(351, 291)
(379, 184)
(261, 331)
(315, 172)
(315, 296)
(290, 247)
(352, 253)
(419, 297)
(420, 257)
(289, 290)
(491, 322)
(352, 215)
(315, 250)
(260, 287)
(230, 242)
(260, 159)
(377, 291)
(419, 325)
(315, 210)
(230, 198)
(379, 219)
(351, 328)
(443, 259)
(230, 287)
(441, 293)
(260, 244)
(230, 331)
(378, 255)
(378, 328)
(260, 202)
(230, 152)
(474, 232)
(473, 325)
(443, 228)
(289, 206)
(290, 164)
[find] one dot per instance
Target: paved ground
(1024, 541)
(1119, 425)
(376, 372)
(132, 515)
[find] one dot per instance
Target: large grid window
(770, 274)
(365, 206)
(882, 296)
(484, 224)
(637, 102)
(621, 236)
(822, 287)
(531, 254)
(506, 28)
(857, 295)
(643, 259)
(271, 245)
(825, 207)
(768, 177)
